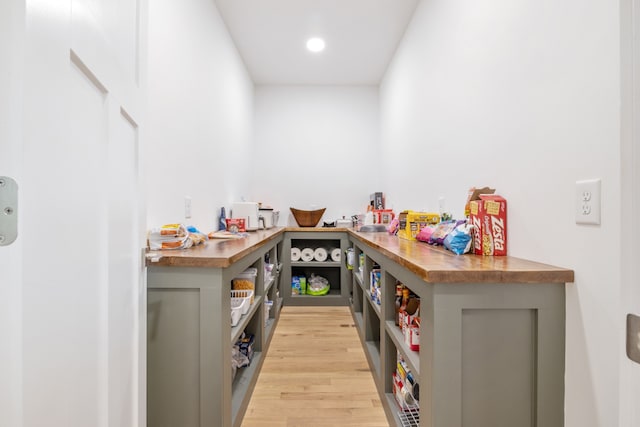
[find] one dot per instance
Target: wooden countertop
(438, 265)
(216, 252)
(432, 264)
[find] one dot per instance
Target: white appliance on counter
(267, 215)
(248, 211)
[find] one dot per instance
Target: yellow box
(411, 222)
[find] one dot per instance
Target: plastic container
(242, 298)
(246, 280)
(236, 313)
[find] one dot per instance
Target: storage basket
(307, 218)
(245, 281)
(241, 298)
(236, 311)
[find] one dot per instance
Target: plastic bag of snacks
(169, 236)
(442, 230)
(318, 285)
(460, 239)
(425, 234)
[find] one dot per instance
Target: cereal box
(489, 219)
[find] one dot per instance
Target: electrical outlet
(633, 337)
(187, 207)
(588, 201)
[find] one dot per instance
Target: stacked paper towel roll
(306, 255)
(295, 254)
(320, 254)
(335, 254)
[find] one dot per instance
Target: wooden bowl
(307, 218)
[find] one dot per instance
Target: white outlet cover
(588, 199)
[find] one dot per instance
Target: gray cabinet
(491, 354)
(189, 341)
(335, 271)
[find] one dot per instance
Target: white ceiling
(361, 37)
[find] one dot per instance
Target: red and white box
(489, 219)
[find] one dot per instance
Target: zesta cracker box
(489, 219)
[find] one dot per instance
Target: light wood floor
(315, 374)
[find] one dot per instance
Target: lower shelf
(243, 385)
(372, 350)
(402, 418)
(333, 298)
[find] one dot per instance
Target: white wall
(523, 96)
(200, 114)
(316, 146)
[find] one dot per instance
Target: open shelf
(358, 276)
(316, 264)
(237, 330)
(269, 284)
(376, 307)
(242, 383)
(402, 418)
(411, 357)
(372, 350)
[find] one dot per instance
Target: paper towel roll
(306, 255)
(320, 254)
(295, 254)
(335, 254)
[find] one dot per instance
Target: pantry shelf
(237, 330)
(316, 264)
(244, 381)
(333, 270)
(410, 356)
(476, 313)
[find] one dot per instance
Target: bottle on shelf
(222, 221)
(399, 287)
(403, 307)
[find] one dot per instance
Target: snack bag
(459, 240)
(169, 236)
(441, 231)
(425, 234)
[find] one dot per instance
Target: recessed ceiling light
(315, 44)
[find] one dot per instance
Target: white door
(630, 228)
(72, 296)
(11, 32)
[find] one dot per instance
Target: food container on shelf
(246, 280)
(236, 312)
(242, 298)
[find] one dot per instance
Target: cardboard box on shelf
(474, 194)
(411, 222)
(376, 200)
(488, 216)
(383, 216)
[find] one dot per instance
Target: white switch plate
(588, 201)
(187, 207)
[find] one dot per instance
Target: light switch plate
(633, 337)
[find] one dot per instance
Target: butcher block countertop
(432, 264)
(219, 253)
(438, 265)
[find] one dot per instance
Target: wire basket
(410, 417)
